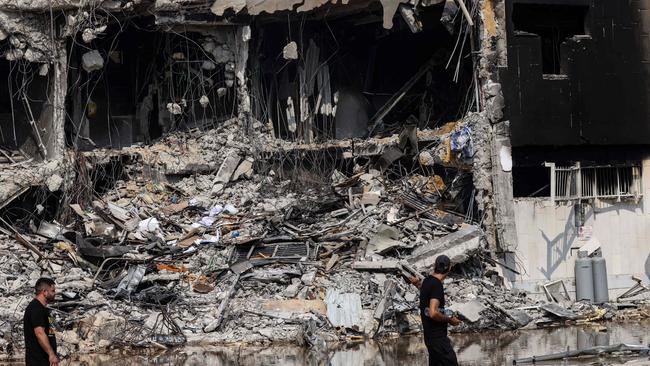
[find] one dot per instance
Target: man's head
(45, 287)
(442, 265)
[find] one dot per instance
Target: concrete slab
(457, 246)
(558, 311)
(384, 240)
(227, 169)
(385, 265)
(308, 278)
(292, 290)
(520, 316)
(471, 311)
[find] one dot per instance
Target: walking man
(434, 320)
(40, 341)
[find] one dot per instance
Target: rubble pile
(237, 252)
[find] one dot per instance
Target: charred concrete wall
(578, 72)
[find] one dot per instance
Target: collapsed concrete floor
(151, 249)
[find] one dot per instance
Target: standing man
(40, 341)
(434, 320)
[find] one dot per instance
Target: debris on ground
(161, 263)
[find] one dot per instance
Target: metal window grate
(290, 250)
(577, 182)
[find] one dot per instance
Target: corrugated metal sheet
(344, 309)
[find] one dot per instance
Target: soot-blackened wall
(578, 72)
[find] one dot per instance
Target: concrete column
(242, 39)
(645, 185)
(492, 56)
(58, 103)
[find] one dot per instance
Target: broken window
(588, 182)
(553, 24)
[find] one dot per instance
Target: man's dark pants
(441, 353)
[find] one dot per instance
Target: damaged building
(576, 91)
(168, 155)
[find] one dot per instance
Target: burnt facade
(578, 73)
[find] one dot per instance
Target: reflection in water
(491, 348)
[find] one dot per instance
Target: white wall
(548, 241)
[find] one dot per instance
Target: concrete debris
(384, 241)
(89, 34)
(227, 169)
(54, 183)
(520, 316)
(244, 170)
(204, 101)
(457, 246)
(308, 278)
(410, 18)
(290, 51)
(292, 290)
(371, 198)
(471, 311)
(92, 61)
(174, 108)
(376, 265)
(44, 70)
(559, 311)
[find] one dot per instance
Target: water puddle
(488, 348)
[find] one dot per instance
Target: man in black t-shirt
(434, 321)
(40, 341)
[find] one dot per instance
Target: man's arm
(435, 314)
(45, 344)
(415, 281)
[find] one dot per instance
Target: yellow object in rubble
(91, 109)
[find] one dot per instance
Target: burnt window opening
(585, 181)
(531, 181)
(320, 79)
(148, 83)
(23, 99)
(553, 24)
(599, 166)
(578, 174)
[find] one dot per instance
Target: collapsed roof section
(319, 8)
